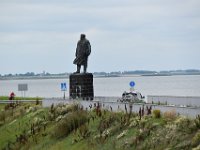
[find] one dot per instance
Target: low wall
(175, 100)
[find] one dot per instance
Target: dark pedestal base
(81, 86)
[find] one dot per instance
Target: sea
(177, 85)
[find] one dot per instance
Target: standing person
(12, 96)
(83, 50)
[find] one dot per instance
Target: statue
(83, 50)
(81, 84)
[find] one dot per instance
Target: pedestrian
(12, 96)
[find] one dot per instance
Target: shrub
(22, 111)
(115, 129)
(196, 139)
(71, 122)
(170, 115)
(2, 116)
(184, 145)
(197, 121)
(84, 131)
(37, 101)
(185, 124)
(156, 113)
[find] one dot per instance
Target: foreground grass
(29, 126)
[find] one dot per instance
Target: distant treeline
(117, 73)
(32, 74)
(147, 72)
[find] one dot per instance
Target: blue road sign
(132, 83)
(63, 86)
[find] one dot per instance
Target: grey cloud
(137, 34)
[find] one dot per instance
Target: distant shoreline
(95, 76)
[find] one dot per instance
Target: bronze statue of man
(83, 50)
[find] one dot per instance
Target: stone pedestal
(81, 86)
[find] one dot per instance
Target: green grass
(21, 98)
(4, 97)
(2, 106)
(148, 133)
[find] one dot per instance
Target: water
(113, 86)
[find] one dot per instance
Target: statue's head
(82, 36)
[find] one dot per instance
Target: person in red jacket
(12, 96)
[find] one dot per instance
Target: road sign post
(132, 84)
(63, 88)
(23, 88)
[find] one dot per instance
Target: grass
(70, 127)
(70, 122)
(21, 98)
(2, 106)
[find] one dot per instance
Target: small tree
(156, 113)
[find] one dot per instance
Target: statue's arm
(89, 48)
(77, 49)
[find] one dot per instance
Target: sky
(41, 35)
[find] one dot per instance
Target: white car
(132, 97)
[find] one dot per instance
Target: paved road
(118, 106)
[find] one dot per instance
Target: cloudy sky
(41, 35)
